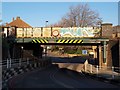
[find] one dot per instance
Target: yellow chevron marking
(75, 41)
(34, 41)
(42, 41)
(62, 41)
(45, 40)
(58, 41)
(79, 41)
(66, 41)
(71, 41)
(38, 41)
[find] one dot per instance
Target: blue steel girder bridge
(29, 37)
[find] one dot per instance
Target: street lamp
(46, 23)
(45, 45)
(22, 52)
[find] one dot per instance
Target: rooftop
(18, 22)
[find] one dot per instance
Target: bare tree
(80, 16)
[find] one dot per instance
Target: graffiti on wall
(77, 32)
(57, 32)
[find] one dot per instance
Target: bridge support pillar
(105, 53)
(100, 56)
(97, 51)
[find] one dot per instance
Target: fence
(11, 63)
(102, 71)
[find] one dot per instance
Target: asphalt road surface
(54, 77)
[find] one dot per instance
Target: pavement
(104, 74)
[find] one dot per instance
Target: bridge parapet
(52, 32)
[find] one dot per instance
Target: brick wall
(107, 30)
(111, 44)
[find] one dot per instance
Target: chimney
(6, 24)
(17, 18)
(13, 19)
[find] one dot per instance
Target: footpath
(102, 73)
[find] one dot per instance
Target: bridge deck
(62, 40)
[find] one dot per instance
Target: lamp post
(22, 52)
(23, 34)
(45, 45)
(46, 23)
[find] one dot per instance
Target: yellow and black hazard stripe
(39, 41)
(69, 41)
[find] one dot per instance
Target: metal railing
(102, 71)
(11, 63)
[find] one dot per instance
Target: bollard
(20, 62)
(35, 65)
(113, 73)
(97, 70)
(90, 68)
(27, 60)
(10, 62)
(7, 63)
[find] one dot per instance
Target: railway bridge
(33, 38)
